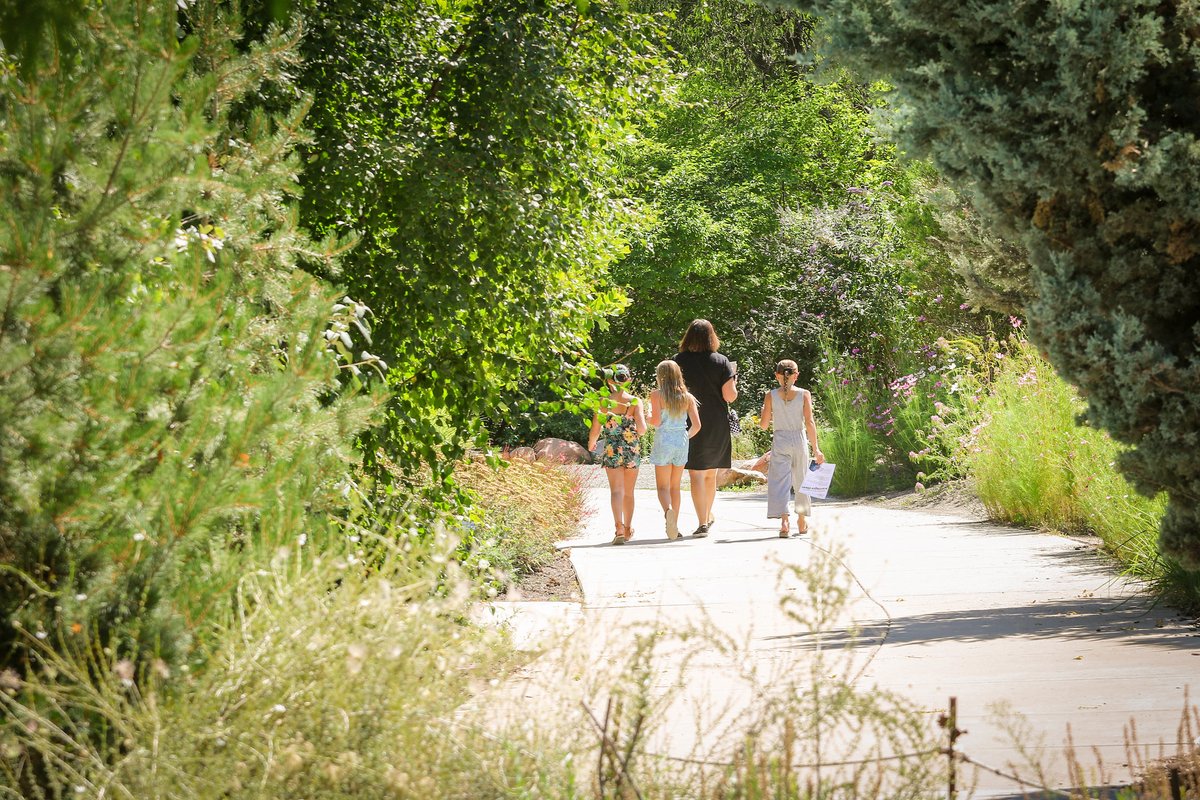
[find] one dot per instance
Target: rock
(762, 463)
(522, 454)
(737, 476)
(562, 451)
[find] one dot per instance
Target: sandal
(701, 532)
(618, 537)
(784, 531)
(801, 531)
(628, 532)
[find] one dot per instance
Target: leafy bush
(470, 148)
(753, 441)
(167, 390)
(331, 681)
(875, 410)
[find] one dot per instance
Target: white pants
(789, 461)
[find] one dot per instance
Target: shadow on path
(1079, 619)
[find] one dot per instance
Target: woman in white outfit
(791, 411)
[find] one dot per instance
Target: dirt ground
(557, 581)
(554, 582)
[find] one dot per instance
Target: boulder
(522, 454)
(738, 476)
(762, 463)
(562, 451)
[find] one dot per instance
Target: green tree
(169, 402)
(1073, 127)
(469, 145)
(781, 216)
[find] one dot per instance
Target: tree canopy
(781, 215)
(469, 147)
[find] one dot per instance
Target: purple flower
(964, 306)
(921, 318)
(1015, 322)
(888, 183)
(856, 190)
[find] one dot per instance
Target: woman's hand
(818, 456)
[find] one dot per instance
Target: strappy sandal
(801, 531)
(618, 537)
(628, 532)
(784, 529)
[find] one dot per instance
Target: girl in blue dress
(615, 442)
(671, 408)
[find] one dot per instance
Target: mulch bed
(556, 581)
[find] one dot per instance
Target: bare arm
(639, 417)
(655, 409)
(694, 416)
(729, 390)
(594, 433)
(810, 424)
(764, 419)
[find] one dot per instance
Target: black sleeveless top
(705, 374)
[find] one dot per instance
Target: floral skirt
(620, 448)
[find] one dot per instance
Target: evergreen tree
(169, 401)
(1075, 127)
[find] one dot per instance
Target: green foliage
(1013, 429)
(167, 391)
(752, 442)
(331, 682)
(875, 413)
(1069, 124)
(468, 146)
(781, 217)
(518, 513)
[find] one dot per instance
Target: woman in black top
(710, 377)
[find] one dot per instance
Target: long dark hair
(700, 338)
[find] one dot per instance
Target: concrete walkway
(938, 605)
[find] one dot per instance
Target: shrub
(1063, 123)
(875, 408)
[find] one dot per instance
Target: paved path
(944, 605)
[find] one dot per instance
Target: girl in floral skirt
(615, 442)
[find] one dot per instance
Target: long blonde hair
(671, 387)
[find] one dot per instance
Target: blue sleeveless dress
(670, 440)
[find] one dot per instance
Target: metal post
(949, 721)
(1176, 783)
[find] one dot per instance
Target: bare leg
(676, 482)
(704, 491)
(662, 482)
(616, 496)
(629, 479)
(710, 494)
